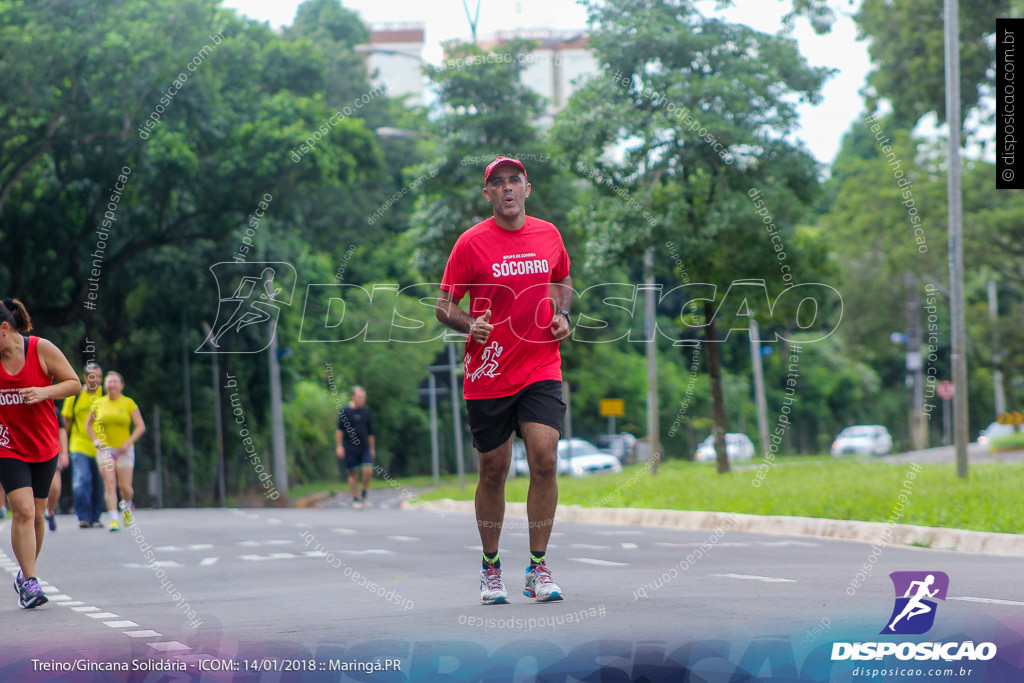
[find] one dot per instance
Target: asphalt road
(320, 587)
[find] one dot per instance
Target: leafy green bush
(1010, 442)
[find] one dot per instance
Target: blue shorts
(354, 459)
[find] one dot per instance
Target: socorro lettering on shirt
(520, 264)
(11, 397)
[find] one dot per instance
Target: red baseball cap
(498, 162)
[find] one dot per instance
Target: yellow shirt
(76, 411)
(113, 420)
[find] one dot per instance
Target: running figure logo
(914, 612)
(247, 318)
(488, 362)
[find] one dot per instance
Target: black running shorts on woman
(492, 420)
(17, 474)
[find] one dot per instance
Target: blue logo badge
(916, 593)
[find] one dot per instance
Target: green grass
(1010, 442)
(413, 484)
(854, 489)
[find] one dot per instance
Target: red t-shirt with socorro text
(510, 273)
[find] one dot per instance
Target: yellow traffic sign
(613, 407)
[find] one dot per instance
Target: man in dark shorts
(516, 271)
(355, 444)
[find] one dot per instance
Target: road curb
(880, 533)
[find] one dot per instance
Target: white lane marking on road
(629, 546)
(588, 546)
(342, 530)
(375, 551)
(157, 564)
(120, 624)
(403, 538)
(274, 520)
(272, 541)
(271, 556)
(752, 577)
(721, 544)
(207, 561)
(302, 525)
(177, 548)
(169, 646)
(619, 533)
(992, 601)
(602, 563)
(779, 544)
(109, 618)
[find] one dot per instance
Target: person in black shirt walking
(355, 444)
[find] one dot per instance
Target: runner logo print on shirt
(5, 436)
(488, 362)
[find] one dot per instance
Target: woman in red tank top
(29, 366)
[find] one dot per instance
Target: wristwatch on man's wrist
(566, 314)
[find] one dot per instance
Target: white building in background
(556, 67)
(561, 60)
(394, 56)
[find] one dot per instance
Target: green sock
(536, 557)
(491, 560)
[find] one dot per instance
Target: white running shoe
(492, 588)
(539, 584)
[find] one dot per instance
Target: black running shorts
(17, 474)
(492, 420)
(357, 458)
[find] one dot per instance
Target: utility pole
(956, 247)
(456, 415)
(652, 361)
(435, 451)
(186, 351)
(762, 403)
(277, 416)
(915, 365)
(997, 355)
(218, 419)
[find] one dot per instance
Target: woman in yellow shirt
(110, 427)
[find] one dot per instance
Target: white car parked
(863, 440)
(738, 446)
(577, 459)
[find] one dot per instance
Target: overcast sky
(822, 127)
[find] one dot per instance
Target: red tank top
(27, 432)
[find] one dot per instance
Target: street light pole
(997, 355)
(221, 485)
(762, 403)
(652, 361)
(956, 247)
(277, 416)
(456, 415)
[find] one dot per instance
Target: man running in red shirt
(516, 271)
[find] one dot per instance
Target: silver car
(576, 457)
(863, 440)
(738, 446)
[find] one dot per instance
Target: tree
(907, 45)
(691, 122)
